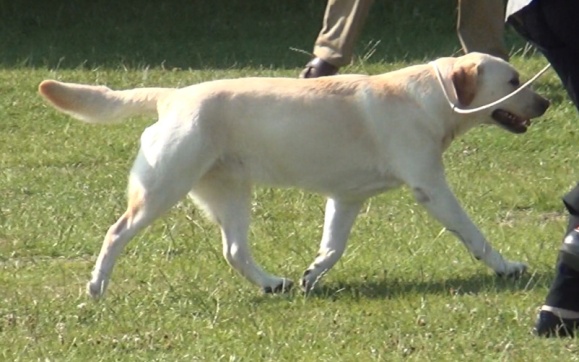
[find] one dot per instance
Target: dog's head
(480, 79)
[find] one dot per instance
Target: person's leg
(551, 25)
(480, 27)
(559, 315)
(564, 292)
(561, 16)
(343, 22)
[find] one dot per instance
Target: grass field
(405, 289)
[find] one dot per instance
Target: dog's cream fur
(347, 137)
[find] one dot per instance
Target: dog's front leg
(338, 221)
(441, 203)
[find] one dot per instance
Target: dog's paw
(283, 287)
(513, 270)
(95, 290)
(309, 281)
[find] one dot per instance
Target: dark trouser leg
(553, 27)
(564, 291)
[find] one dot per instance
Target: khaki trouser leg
(343, 21)
(480, 26)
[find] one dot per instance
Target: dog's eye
(515, 82)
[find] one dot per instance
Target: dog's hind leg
(338, 221)
(146, 202)
(227, 202)
(160, 177)
(115, 240)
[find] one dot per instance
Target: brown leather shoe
(318, 68)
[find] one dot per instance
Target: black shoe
(569, 251)
(549, 325)
(318, 68)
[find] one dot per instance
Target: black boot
(564, 291)
(569, 251)
(549, 325)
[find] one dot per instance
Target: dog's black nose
(543, 104)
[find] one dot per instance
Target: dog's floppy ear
(464, 78)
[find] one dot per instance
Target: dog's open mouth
(511, 121)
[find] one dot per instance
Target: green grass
(405, 290)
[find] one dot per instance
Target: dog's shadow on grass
(472, 284)
(386, 288)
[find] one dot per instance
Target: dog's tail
(99, 104)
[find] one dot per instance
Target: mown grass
(405, 290)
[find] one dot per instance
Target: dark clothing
(571, 201)
(553, 27)
(564, 291)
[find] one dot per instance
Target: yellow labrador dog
(347, 137)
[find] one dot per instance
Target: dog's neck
(457, 125)
(434, 101)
